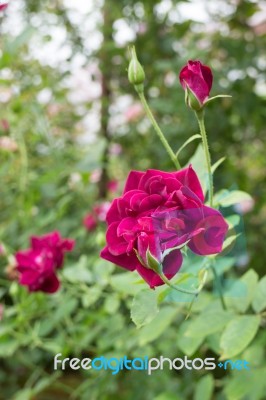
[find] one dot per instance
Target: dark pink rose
(37, 265)
(159, 211)
(112, 185)
(3, 6)
(198, 78)
(90, 222)
(100, 210)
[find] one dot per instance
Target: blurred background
(71, 128)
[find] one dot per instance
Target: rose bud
(136, 74)
(196, 79)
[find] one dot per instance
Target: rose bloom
(160, 211)
(37, 266)
(198, 78)
(112, 185)
(90, 222)
(3, 5)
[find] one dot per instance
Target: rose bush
(37, 265)
(159, 212)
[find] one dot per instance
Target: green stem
(200, 118)
(177, 288)
(157, 129)
(219, 286)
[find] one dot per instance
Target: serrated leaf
(159, 324)
(246, 385)
(204, 388)
(188, 345)
(242, 292)
(144, 307)
(238, 334)
(208, 322)
(259, 301)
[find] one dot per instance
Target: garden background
(75, 129)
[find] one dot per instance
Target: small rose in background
(112, 186)
(244, 206)
(2, 250)
(37, 265)
(8, 144)
(134, 112)
(98, 214)
(115, 149)
(1, 311)
(3, 5)
(197, 78)
(90, 222)
(4, 124)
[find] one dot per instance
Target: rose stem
(157, 128)
(219, 286)
(177, 288)
(200, 118)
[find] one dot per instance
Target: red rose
(37, 265)
(3, 5)
(198, 78)
(159, 211)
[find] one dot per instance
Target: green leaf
(204, 388)
(199, 164)
(144, 307)
(217, 164)
(191, 139)
(225, 198)
(158, 325)
(238, 334)
(246, 385)
(208, 322)
(259, 300)
(242, 292)
(188, 345)
(127, 283)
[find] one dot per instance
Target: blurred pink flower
(134, 112)
(8, 144)
(101, 210)
(95, 176)
(90, 222)
(1, 311)
(4, 125)
(37, 265)
(3, 5)
(112, 185)
(2, 250)
(115, 149)
(244, 206)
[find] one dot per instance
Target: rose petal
(188, 177)
(133, 180)
(116, 244)
(129, 262)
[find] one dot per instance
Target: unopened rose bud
(196, 79)
(136, 74)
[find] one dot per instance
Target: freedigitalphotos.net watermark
(146, 364)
